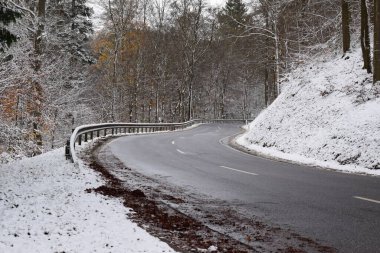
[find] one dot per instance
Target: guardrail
(89, 132)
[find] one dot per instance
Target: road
(342, 210)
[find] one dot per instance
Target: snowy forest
(161, 60)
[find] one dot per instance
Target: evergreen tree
(7, 15)
(233, 17)
(69, 27)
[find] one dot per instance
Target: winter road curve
(341, 210)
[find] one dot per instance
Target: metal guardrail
(89, 132)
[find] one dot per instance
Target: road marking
(366, 199)
(221, 142)
(173, 142)
(242, 171)
(181, 152)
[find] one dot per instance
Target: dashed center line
(367, 199)
(241, 171)
(173, 142)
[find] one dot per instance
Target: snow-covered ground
(44, 208)
(328, 115)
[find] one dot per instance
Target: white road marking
(366, 199)
(242, 171)
(181, 152)
(173, 142)
(221, 141)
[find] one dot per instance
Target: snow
(97, 17)
(44, 208)
(327, 115)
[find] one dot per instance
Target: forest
(161, 60)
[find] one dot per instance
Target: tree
(376, 42)
(194, 40)
(233, 17)
(52, 37)
(346, 15)
(121, 13)
(8, 16)
(364, 36)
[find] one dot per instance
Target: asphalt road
(342, 210)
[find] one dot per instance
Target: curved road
(342, 210)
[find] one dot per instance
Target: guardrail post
(85, 137)
(112, 131)
(91, 135)
(97, 133)
(72, 131)
(80, 140)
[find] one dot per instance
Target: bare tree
(121, 13)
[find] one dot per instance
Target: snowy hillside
(328, 114)
(44, 208)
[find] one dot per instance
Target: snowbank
(44, 208)
(328, 114)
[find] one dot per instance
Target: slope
(328, 115)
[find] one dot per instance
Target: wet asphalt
(335, 208)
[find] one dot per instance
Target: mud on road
(187, 221)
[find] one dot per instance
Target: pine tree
(8, 16)
(233, 17)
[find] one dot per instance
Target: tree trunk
(346, 26)
(276, 82)
(376, 40)
(73, 8)
(364, 37)
(36, 92)
(114, 77)
(266, 86)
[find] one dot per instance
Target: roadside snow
(44, 208)
(328, 115)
